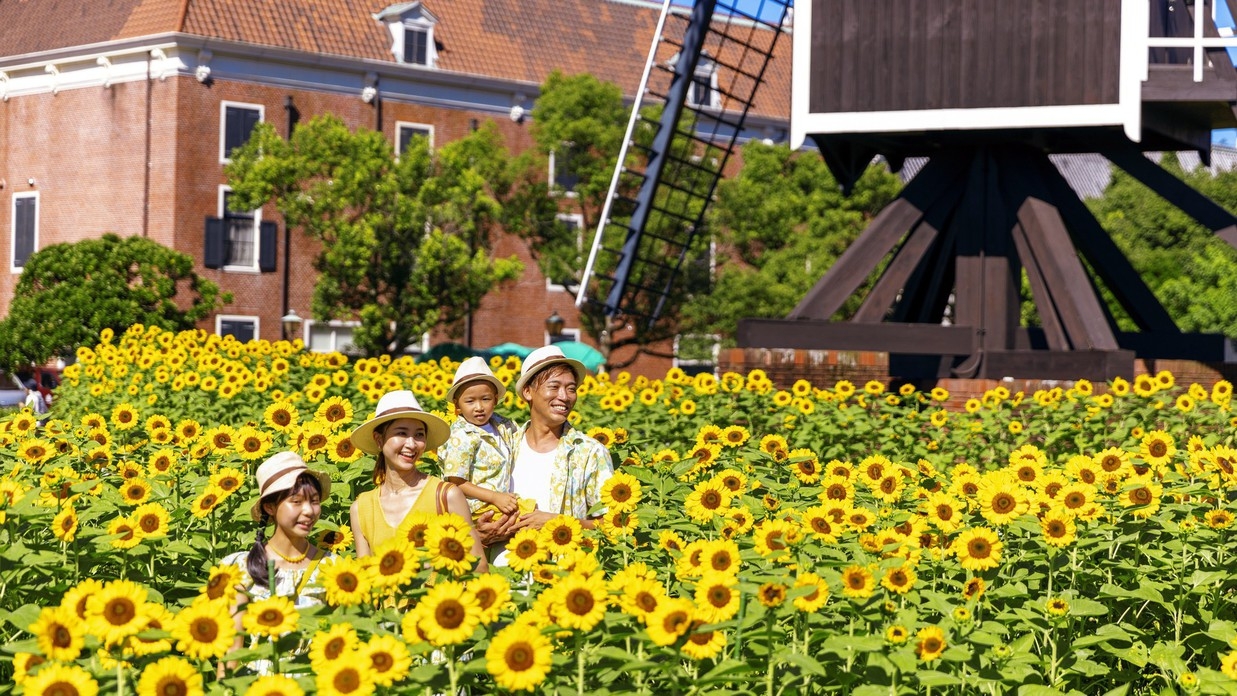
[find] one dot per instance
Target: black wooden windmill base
(961, 233)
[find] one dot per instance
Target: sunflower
(171, 676)
(899, 579)
(620, 492)
(449, 546)
(858, 582)
(944, 511)
(413, 528)
(127, 531)
(222, 582)
(720, 556)
(735, 435)
(519, 657)
(75, 599)
(493, 594)
(703, 645)
(774, 536)
(1001, 500)
(1078, 500)
(342, 451)
(640, 596)
(579, 601)
(1218, 519)
(135, 491)
(64, 524)
(252, 444)
(973, 588)
(526, 550)
(771, 594)
(707, 500)
(897, 634)
(930, 643)
(345, 679)
(345, 580)
(151, 520)
(124, 416)
(315, 438)
(281, 416)
(811, 593)
(389, 660)
(672, 618)
(1143, 497)
(60, 633)
(35, 451)
(717, 598)
(272, 617)
(1057, 606)
(336, 412)
(978, 548)
(187, 430)
(23, 664)
(338, 643)
(60, 680)
(1058, 528)
(161, 462)
(819, 523)
(561, 535)
(860, 518)
(275, 685)
(448, 614)
(206, 503)
(1157, 448)
(1228, 665)
(392, 564)
(116, 611)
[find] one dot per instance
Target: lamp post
(554, 326)
(291, 324)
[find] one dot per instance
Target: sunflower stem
(452, 677)
(579, 664)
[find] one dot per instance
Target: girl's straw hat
(544, 357)
(394, 406)
(279, 473)
(475, 369)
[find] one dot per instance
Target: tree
(68, 293)
(783, 222)
(405, 241)
(1188, 268)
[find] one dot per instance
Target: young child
(478, 455)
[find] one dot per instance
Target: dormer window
(412, 33)
(703, 91)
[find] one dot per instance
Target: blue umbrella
(506, 349)
(590, 356)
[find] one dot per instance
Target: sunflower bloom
(899, 579)
(204, 630)
(930, 643)
(816, 596)
(579, 601)
(346, 582)
(275, 685)
(858, 582)
(116, 611)
(449, 547)
(717, 598)
(393, 564)
(703, 645)
(519, 658)
(525, 550)
(171, 675)
(1058, 528)
(345, 679)
(389, 659)
(60, 633)
(333, 645)
(64, 524)
(271, 617)
(621, 492)
(448, 614)
(57, 680)
(978, 549)
(1157, 448)
(672, 618)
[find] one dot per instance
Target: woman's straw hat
(395, 406)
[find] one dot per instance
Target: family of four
(489, 466)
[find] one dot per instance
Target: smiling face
(296, 513)
(475, 403)
(402, 442)
(551, 394)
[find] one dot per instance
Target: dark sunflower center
(120, 611)
(449, 614)
(580, 602)
(1158, 448)
(979, 548)
(520, 657)
(205, 629)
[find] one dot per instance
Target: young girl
(398, 434)
(290, 496)
(478, 455)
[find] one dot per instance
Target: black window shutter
(213, 256)
(268, 233)
(252, 118)
(23, 242)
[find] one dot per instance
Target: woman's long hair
(257, 563)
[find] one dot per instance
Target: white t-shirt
(530, 477)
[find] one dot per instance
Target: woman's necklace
(289, 559)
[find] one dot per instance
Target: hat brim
(324, 482)
(436, 430)
(493, 381)
(576, 366)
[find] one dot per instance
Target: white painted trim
(1132, 70)
(800, 75)
(38, 212)
(400, 125)
(223, 123)
(306, 332)
(574, 333)
(555, 189)
(577, 218)
(691, 362)
(251, 318)
(257, 236)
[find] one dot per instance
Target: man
(34, 398)
(556, 465)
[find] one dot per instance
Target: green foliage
(68, 293)
(786, 221)
(405, 242)
(1188, 268)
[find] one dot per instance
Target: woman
(398, 434)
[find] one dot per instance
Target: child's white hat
(279, 473)
(475, 369)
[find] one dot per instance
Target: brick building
(118, 116)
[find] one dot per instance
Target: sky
(1227, 136)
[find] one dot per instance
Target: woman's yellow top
(374, 523)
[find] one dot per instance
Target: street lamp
(554, 326)
(291, 324)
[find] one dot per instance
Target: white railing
(1198, 42)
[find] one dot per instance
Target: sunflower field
(849, 539)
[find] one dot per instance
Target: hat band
(398, 409)
(280, 474)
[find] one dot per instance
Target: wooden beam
(1054, 332)
(877, 240)
(1096, 365)
(887, 337)
(1207, 212)
(969, 222)
(999, 266)
(1106, 259)
(1072, 294)
(1208, 348)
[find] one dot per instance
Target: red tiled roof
(508, 39)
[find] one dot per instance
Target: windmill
(986, 90)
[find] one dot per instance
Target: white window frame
(692, 362)
(224, 189)
(334, 324)
(577, 218)
(416, 24)
(251, 318)
(705, 68)
(223, 124)
(555, 189)
(574, 333)
(419, 348)
(401, 125)
(38, 211)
